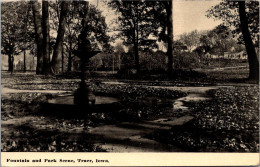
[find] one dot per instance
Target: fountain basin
(63, 106)
(70, 100)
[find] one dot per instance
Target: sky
(189, 15)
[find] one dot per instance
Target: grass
(227, 123)
(43, 132)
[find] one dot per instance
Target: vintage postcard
(129, 83)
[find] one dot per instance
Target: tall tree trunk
(168, 6)
(119, 61)
(25, 32)
(10, 63)
(24, 60)
(38, 37)
(32, 66)
(250, 48)
(137, 64)
(113, 64)
(70, 58)
(56, 58)
(62, 59)
(46, 36)
(136, 38)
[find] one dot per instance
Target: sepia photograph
(129, 76)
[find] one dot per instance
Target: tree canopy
(227, 11)
(137, 25)
(244, 17)
(16, 33)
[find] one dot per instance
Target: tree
(252, 58)
(27, 40)
(136, 19)
(96, 32)
(96, 62)
(163, 12)
(217, 40)
(41, 23)
(244, 17)
(92, 38)
(119, 51)
(73, 26)
(224, 39)
(168, 6)
(191, 40)
(206, 44)
(13, 23)
(38, 36)
(56, 58)
(46, 43)
(46, 36)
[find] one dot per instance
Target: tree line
(51, 30)
(53, 27)
(218, 40)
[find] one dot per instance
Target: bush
(153, 61)
(186, 60)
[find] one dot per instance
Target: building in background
(226, 55)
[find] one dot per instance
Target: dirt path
(8, 90)
(130, 137)
(221, 68)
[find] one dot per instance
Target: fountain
(83, 99)
(84, 96)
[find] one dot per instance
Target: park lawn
(227, 123)
(25, 127)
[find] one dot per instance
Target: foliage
(97, 31)
(135, 20)
(227, 11)
(96, 62)
(217, 40)
(137, 25)
(104, 61)
(124, 91)
(152, 61)
(16, 34)
(39, 132)
(97, 28)
(30, 137)
(191, 40)
(233, 110)
(246, 20)
(227, 123)
(64, 32)
(186, 60)
(220, 39)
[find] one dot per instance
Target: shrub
(186, 60)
